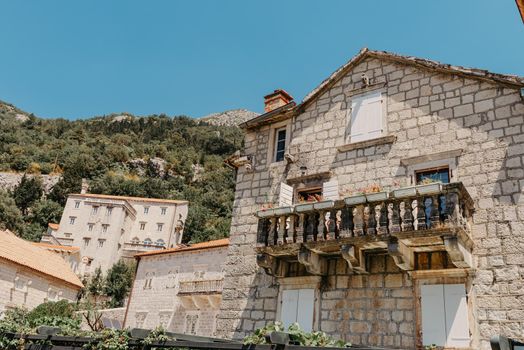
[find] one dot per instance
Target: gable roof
(473, 73)
(224, 242)
(24, 253)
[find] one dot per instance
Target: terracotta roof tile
(54, 246)
(133, 199)
(25, 253)
(224, 242)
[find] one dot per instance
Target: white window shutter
(456, 306)
(306, 307)
(366, 117)
(330, 190)
(286, 195)
(433, 315)
(288, 312)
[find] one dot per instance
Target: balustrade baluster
(358, 220)
(395, 217)
(383, 220)
(281, 230)
(421, 213)
(302, 227)
(346, 219)
(407, 219)
(321, 226)
(311, 227)
(272, 231)
(434, 213)
(334, 224)
(371, 222)
(290, 238)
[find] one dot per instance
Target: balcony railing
(141, 247)
(200, 287)
(412, 209)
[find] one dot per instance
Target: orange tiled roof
(54, 246)
(224, 242)
(26, 254)
(135, 199)
(53, 226)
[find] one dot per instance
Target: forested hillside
(154, 156)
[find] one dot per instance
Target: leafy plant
(110, 339)
(296, 334)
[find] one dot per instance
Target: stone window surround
(271, 142)
(165, 312)
(447, 276)
(302, 282)
(429, 161)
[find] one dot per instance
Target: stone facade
(24, 287)
(471, 121)
(179, 289)
(107, 228)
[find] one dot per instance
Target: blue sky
(76, 59)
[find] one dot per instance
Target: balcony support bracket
(458, 254)
(400, 254)
(269, 264)
(348, 252)
(315, 264)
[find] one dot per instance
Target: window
(163, 211)
(298, 306)
(68, 234)
(21, 283)
(94, 210)
(439, 174)
(159, 227)
(90, 227)
(72, 220)
(52, 294)
(149, 280)
(191, 323)
(142, 226)
(367, 117)
(310, 194)
(77, 204)
(135, 240)
(140, 317)
(146, 210)
(160, 242)
(148, 241)
(86, 241)
(101, 243)
(164, 318)
(104, 228)
(109, 211)
(280, 144)
(444, 311)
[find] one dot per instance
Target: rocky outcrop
(233, 117)
(8, 181)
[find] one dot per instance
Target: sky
(78, 59)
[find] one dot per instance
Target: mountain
(171, 157)
(233, 117)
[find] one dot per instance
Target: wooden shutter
(288, 312)
(456, 308)
(286, 195)
(306, 306)
(366, 117)
(433, 315)
(330, 190)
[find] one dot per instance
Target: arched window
(160, 242)
(148, 241)
(135, 240)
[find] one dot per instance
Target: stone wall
(8, 181)
(427, 112)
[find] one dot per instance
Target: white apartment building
(107, 228)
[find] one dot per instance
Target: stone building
(71, 255)
(179, 288)
(107, 228)
(30, 275)
(384, 209)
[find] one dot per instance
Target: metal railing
(414, 208)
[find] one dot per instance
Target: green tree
(118, 283)
(45, 211)
(28, 191)
(95, 286)
(10, 215)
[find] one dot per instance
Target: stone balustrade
(410, 209)
(200, 287)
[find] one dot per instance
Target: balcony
(200, 294)
(425, 218)
(131, 248)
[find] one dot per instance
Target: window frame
(450, 163)
(163, 210)
(146, 210)
(271, 154)
(77, 204)
(360, 95)
(72, 220)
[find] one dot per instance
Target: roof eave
(278, 114)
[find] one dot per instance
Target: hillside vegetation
(154, 156)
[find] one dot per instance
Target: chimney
(85, 186)
(276, 99)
